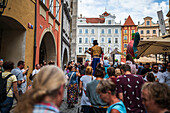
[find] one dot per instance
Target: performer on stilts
(96, 52)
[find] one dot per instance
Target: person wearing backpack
(8, 82)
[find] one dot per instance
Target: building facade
(48, 39)
(103, 29)
(126, 35)
(148, 29)
(74, 12)
(66, 32)
(17, 28)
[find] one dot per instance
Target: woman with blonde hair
(97, 105)
(46, 93)
(88, 77)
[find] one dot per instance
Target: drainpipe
(35, 32)
(62, 2)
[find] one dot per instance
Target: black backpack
(3, 87)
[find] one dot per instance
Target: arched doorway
(65, 57)
(47, 49)
(12, 39)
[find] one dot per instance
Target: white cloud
(137, 9)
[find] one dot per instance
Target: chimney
(125, 19)
(80, 15)
(138, 23)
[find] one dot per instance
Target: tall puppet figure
(130, 46)
(96, 52)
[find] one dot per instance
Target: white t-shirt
(86, 79)
(159, 77)
(35, 71)
(133, 66)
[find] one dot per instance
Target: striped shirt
(45, 107)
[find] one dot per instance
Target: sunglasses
(155, 67)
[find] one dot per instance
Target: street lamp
(3, 4)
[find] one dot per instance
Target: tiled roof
(95, 20)
(105, 14)
(129, 21)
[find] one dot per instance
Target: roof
(129, 22)
(105, 14)
(148, 17)
(95, 20)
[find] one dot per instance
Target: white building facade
(104, 29)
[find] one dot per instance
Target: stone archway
(47, 50)
(12, 39)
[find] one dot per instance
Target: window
(141, 32)
(109, 31)
(147, 32)
(80, 49)
(125, 31)
(86, 31)
(133, 31)
(80, 40)
(80, 31)
(141, 38)
(125, 37)
(148, 38)
(154, 31)
(109, 40)
(116, 31)
(86, 48)
(57, 10)
(43, 1)
(86, 40)
(92, 31)
(81, 21)
(125, 45)
(102, 31)
(51, 6)
(92, 40)
(116, 40)
(103, 49)
(102, 40)
(147, 23)
(109, 22)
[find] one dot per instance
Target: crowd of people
(110, 88)
(13, 82)
(119, 89)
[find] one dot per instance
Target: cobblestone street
(63, 107)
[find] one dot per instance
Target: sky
(137, 9)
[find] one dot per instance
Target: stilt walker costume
(96, 52)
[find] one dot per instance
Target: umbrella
(154, 45)
(147, 60)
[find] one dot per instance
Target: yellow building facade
(148, 29)
(17, 25)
